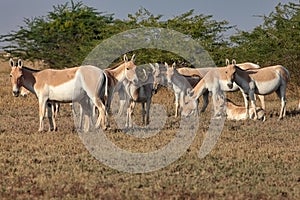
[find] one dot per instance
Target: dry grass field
(251, 160)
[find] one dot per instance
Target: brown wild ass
(235, 112)
(79, 84)
(217, 80)
(264, 81)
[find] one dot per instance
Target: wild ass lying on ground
(235, 112)
(217, 80)
(79, 84)
(264, 81)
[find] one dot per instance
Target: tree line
(65, 36)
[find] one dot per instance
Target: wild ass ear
(20, 63)
(173, 65)
(133, 58)
(189, 92)
(227, 61)
(125, 58)
(145, 74)
(233, 62)
(156, 65)
(152, 67)
(11, 62)
(166, 64)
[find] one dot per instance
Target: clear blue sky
(238, 12)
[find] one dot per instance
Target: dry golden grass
(251, 160)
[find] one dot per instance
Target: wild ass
(217, 80)
(263, 81)
(52, 107)
(79, 84)
(138, 93)
(180, 84)
(201, 72)
(235, 112)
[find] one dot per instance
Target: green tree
(62, 38)
(276, 41)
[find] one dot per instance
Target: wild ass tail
(106, 88)
(286, 74)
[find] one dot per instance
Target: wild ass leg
(205, 101)
(123, 101)
(281, 94)
(143, 112)
(42, 109)
(148, 103)
(176, 104)
(52, 110)
(253, 106)
(262, 101)
(218, 103)
(129, 114)
(102, 117)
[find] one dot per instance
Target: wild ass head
(158, 72)
(130, 69)
(16, 76)
(170, 72)
(227, 75)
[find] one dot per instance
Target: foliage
(62, 38)
(277, 41)
(66, 35)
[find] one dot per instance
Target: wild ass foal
(264, 81)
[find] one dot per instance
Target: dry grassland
(251, 160)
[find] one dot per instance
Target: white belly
(266, 87)
(63, 92)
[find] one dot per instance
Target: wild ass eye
(10, 75)
(127, 68)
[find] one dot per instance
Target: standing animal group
(93, 89)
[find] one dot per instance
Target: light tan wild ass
(217, 80)
(52, 107)
(78, 84)
(235, 112)
(201, 72)
(264, 81)
(180, 85)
